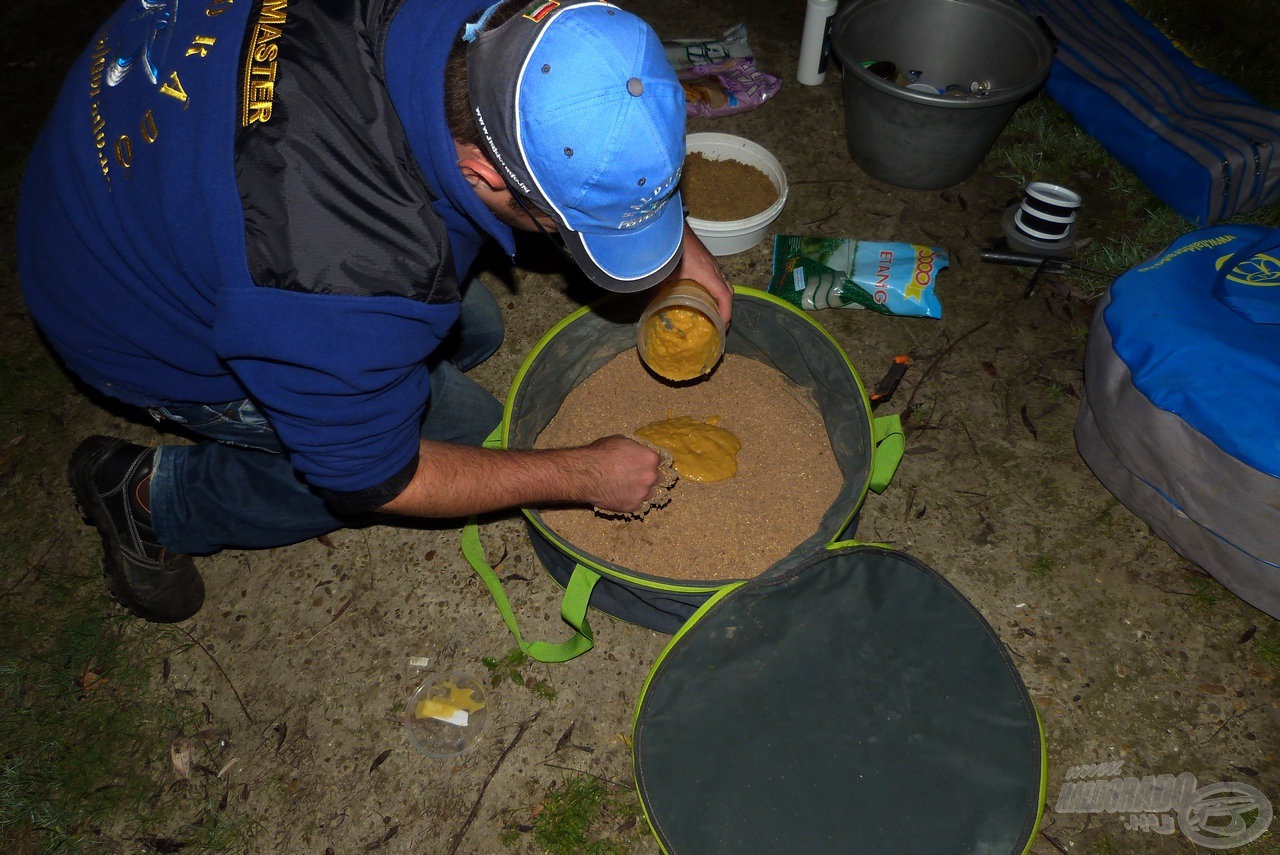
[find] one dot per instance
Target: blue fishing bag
(1182, 391)
(1201, 144)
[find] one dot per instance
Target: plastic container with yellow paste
(681, 334)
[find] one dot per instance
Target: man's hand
(628, 473)
(697, 263)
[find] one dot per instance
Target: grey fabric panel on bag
(1251, 580)
(1213, 508)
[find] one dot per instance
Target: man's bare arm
(613, 473)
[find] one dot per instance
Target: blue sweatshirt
(260, 200)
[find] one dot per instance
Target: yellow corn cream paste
(680, 343)
(700, 451)
(454, 708)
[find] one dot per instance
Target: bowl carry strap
(890, 442)
(573, 608)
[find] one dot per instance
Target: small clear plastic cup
(447, 715)
(680, 335)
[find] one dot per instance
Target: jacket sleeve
(342, 378)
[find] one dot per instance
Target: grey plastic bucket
(918, 139)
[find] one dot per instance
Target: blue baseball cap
(590, 129)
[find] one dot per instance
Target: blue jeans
(238, 489)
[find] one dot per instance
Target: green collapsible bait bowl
(764, 328)
(847, 699)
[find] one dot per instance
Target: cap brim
(629, 260)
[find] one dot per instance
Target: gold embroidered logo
(260, 63)
(141, 40)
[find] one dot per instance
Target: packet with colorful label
(891, 278)
(719, 75)
(726, 88)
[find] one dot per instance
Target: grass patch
(87, 742)
(1267, 844)
(1058, 393)
(1224, 37)
(583, 815)
(1041, 566)
(511, 668)
(1268, 649)
(1043, 143)
(1206, 593)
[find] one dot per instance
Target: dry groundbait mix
(844, 273)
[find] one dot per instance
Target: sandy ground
(307, 655)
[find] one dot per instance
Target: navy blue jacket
(260, 200)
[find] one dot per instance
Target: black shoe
(147, 579)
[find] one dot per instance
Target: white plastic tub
(732, 236)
